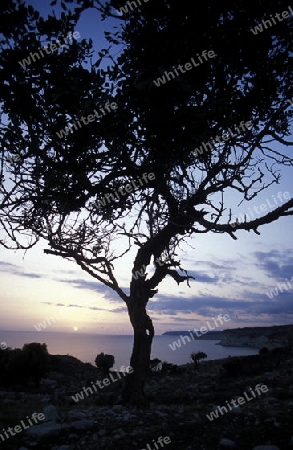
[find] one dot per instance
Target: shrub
(36, 358)
(233, 366)
(11, 367)
(18, 366)
(155, 365)
(170, 367)
(196, 357)
(279, 354)
(104, 362)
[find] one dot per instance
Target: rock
(65, 447)
(227, 443)
(45, 430)
(117, 407)
(121, 432)
(127, 417)
(50, 413)
(266, 447)
(237, 410)
(161, 414)
(83, 424)
(48, 382)
(74, 414)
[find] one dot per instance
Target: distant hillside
(252, 337)
(210, 335)
(257, 337)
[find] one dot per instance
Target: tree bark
(141, 352)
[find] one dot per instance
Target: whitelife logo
(265, 24)
(205, 146)
(262, 208)
(48, 321)
(53, 47)
(86, 120)
(128, 188)
(222, 409)
(203, 330)
(205, 56)
(130, 6)
(19, 428)
(166, 440)
(141, 272)
(105, 382)
(280, 288)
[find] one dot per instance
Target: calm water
(86, 346)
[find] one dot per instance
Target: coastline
(248, 337)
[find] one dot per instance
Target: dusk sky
(231, 277)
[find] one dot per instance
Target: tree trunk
(141, 352)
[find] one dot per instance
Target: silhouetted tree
(196, 357)
(18, 366)
(59, 189)
(104, 362)
(36, 360)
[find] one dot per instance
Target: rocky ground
(177, 409)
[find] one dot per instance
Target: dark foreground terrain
(179, 401)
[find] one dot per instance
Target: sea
(86, 347)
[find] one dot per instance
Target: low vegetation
(20, 366)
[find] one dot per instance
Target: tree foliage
(197, 356)
(18, 366)
(104, 362)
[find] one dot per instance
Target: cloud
(222, 264)
(31, 275)
(67, 272)
(199, 305)
(92, 308)
(122, 309)
(251, 304)
(203, 277)
(6, 264)
(95, 286)
(75, 306)
(13, 269)
(248, 303)
(276, 264)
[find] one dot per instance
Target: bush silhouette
(11, 367)
(233, 366)
(104, 362)
(19, 366)
(36, 358)
(170, 367)
(155, 365)
(196, 357)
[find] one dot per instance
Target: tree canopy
(181, 138)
